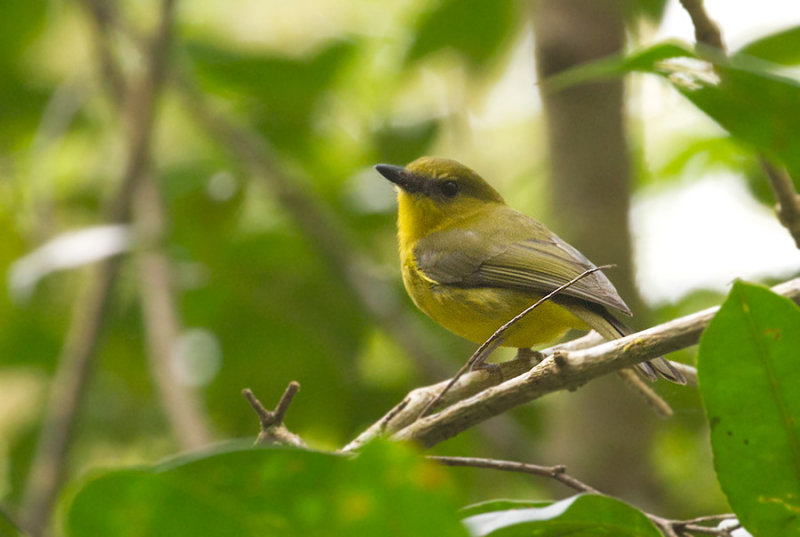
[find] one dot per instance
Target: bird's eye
(449, 188)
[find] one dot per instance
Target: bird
(472, 263)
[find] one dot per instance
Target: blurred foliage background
(261, 246)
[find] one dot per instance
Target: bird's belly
(476, 313)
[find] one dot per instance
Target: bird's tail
(608, 326)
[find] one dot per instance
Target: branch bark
(565, 367)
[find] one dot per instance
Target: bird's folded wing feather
(513, 251)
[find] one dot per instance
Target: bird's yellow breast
(476, 313)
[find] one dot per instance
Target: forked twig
(273, 431)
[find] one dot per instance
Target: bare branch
(706, 30)
(74, 364)
(407, 410)
(559, 472)
(183, 408)
(161, 320)
(273, 431)
(788, 201)
(568, 370)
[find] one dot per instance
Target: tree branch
(478, 358)
(181, 404)
(788, 200)
(706, 30)
(74, 364)
(671, 528)
(161, 321)
(565, 367)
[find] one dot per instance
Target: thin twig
(787, 199)
(273, 431)
(74, 364)
(486, 348)
(558, 472)
(670, 527)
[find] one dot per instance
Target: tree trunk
(601, 433)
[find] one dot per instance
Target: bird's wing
(512, 250)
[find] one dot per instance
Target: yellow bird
(472, 263)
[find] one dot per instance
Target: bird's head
(433, 192)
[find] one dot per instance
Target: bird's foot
(494, 370)
(529, 355)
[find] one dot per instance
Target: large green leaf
(585, 515)
(756, 106)
(750, 382)
(476, 30)
(387, 490)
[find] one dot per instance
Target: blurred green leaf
(651, 9)
(475, 30)
(21, 99)
(20, 24)
(782, 48)
(750, 383)
(756, 106)
(711, 152)
(401, 144)
(582, 515)
(386, 490)
(7, 528)
(277, 93)
(275, 305)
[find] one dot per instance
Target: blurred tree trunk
(602, 433)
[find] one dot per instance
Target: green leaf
(651, 9)
(403, 143)
(713, 152)
(475, 30)
(7, 528)
(277, 93)
(756, 106)
(584, 515)
(782, 48)
(386, 490)
(750, 383)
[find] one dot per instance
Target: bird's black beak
(401, 177)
